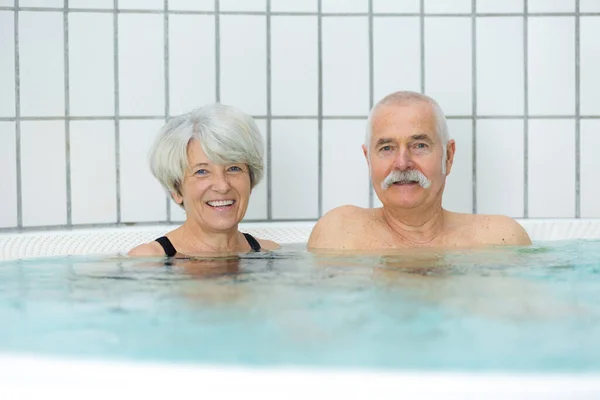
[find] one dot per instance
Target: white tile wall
(243, 5)
(257, 207)
(191, 62)
(192, 5)
(294, 65)
(447, 7)
(7, 64)
(395, 6)
(448, 76)
(99, 4)
(500, 72)
(93, 194)
(345, 170)
(177, 213)
(589, 5)
(294, 5)
(551, 168)
(345, 65)
(8, 175)
(141, 4)
(458, 194)
(91, 54)
(589, 66)
(7, 3)
(43, 173)
(551, 6)
(141, 64)
(193, 80)
(41, 3)
(590, 165)
(244, 62)
(551, 69)
(376, 202)
(396, 55)
(339, 6)
(499, 6)
(500, 167)
(295, 173)
(41, 57)
(142, 196)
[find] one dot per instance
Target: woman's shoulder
(149, 249)
(268, 244)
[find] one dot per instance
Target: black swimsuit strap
(167, 246)
(252, 242)
(171, 252)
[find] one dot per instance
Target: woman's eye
(201, 172)
(235, 168)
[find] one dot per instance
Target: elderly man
(409, 155)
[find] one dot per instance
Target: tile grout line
(67, 112)
(217, 52)
(289, 117)
(116, 94)
(320, 105)
(74, 228)
(17, 118)
(269, 116)
(167, 85)
(474, 105)
(297, 13)
(525, 113)
(577, 110)
(371, 85)
(422, 43)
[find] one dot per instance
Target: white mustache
(411, 175)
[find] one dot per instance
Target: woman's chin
(223, 224)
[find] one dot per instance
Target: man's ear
(450, 150)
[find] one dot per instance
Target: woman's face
(214, 196)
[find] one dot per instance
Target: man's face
(405, 149)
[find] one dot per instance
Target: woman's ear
(176, 195)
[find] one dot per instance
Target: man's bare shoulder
(500, 229)
(337, 228)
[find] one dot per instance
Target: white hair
(407, 97)
(226, 134)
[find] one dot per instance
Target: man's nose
(403, 160)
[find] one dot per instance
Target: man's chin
(405, 203)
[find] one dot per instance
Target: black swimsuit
(171, 252)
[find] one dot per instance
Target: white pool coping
(34, 377)
(119, 240)
(26, 377)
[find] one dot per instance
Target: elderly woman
(209, 160)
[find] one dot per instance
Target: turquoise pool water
(511, 309)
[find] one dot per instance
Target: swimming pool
(490, 323)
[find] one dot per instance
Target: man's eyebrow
(422, 136)
(384, 141)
